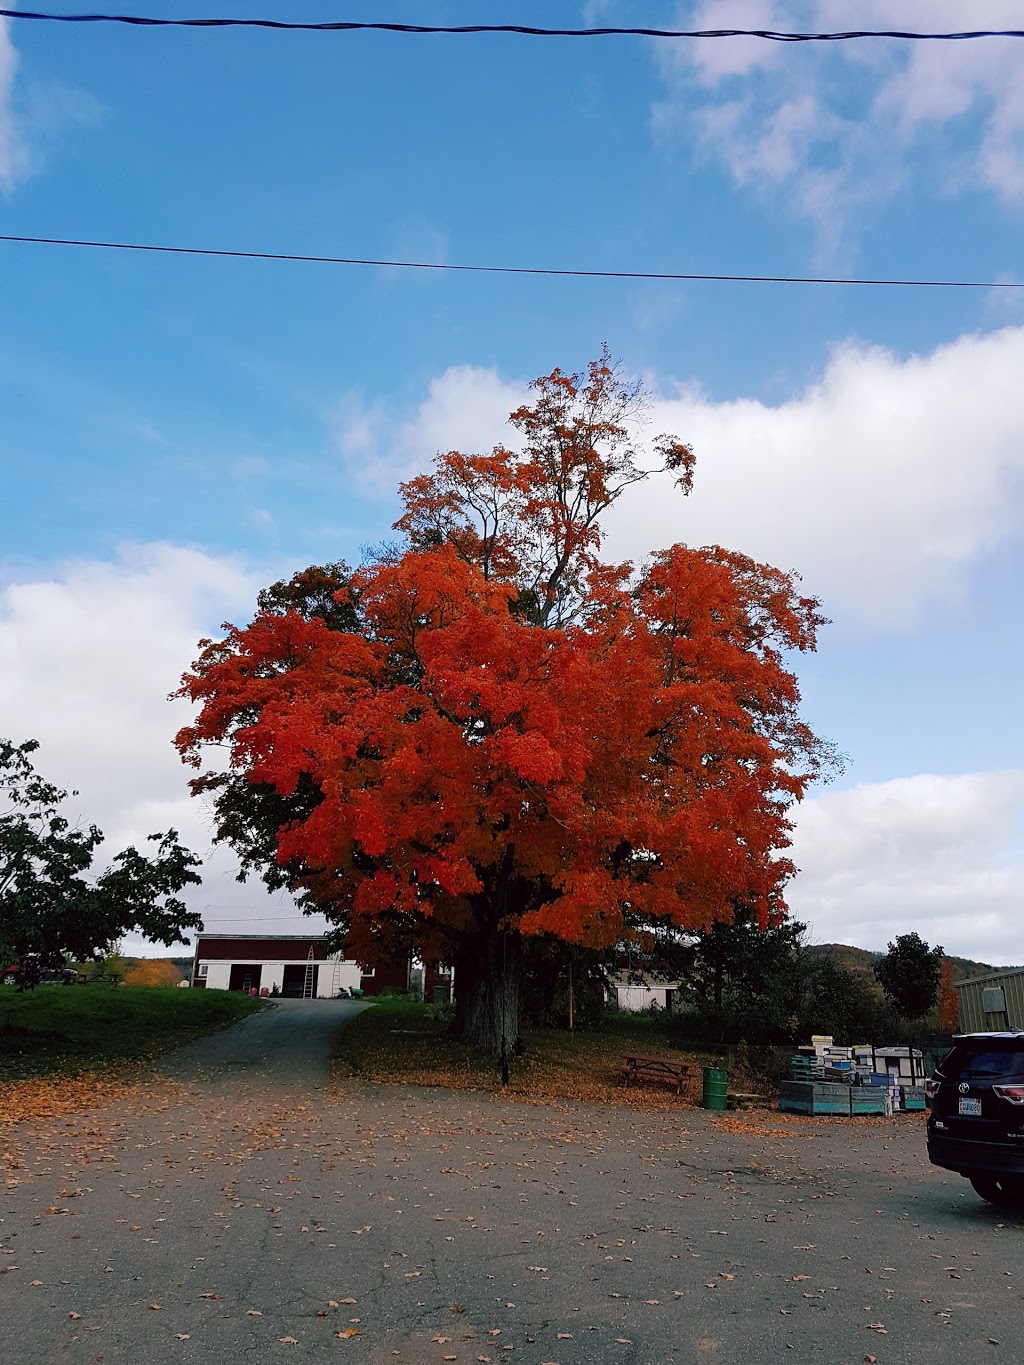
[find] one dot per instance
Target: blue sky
(175, 432)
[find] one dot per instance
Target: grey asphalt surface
(244, 1210)
(284, 1048)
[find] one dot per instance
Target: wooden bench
(637, 1067)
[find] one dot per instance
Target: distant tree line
(743, 982)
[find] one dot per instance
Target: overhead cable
(523, 30)
(707, 276)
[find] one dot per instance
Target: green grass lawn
(65, 1030)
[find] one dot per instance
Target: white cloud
(466, 409)
(13, 152)
(32, 114)
(87, 659)
(885, 483)
(939, 855)
(831, 124)
(715, 60)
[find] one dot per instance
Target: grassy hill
(65, 1030)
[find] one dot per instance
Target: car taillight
(931, 1087)
(1013, 1093)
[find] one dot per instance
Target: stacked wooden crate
(867, 1099)
(814, 1097)
(805, 1069)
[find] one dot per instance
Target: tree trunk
(487, 993)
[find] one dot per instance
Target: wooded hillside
(863, 961)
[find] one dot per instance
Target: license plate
(972, 1108)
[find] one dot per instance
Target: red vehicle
(11, 976)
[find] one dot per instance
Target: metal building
(992, 1002)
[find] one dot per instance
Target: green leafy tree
(842, 1002)
(745, 979)
(313, 593)
(909, 975)
(110, 963)
(51, 906)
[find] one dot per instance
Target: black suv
(976, 1125)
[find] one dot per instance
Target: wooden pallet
(738, 1099)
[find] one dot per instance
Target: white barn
(287, 965)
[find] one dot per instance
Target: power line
(702, 276)
(524, 30)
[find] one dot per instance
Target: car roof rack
(1014, 1033)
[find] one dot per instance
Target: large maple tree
(492, 739)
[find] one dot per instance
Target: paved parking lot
(243, 1210)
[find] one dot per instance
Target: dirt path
(236, 1212)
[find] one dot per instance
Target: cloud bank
(88, 656)
(942, 855)
(886, 483)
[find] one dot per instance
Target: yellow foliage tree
(153, 971)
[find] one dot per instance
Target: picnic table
(637, 1066)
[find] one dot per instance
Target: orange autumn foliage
(519, 737)
(153, 971)
(948, 1003)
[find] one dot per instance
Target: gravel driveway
(243, 1210)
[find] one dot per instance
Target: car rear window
(984, 1059)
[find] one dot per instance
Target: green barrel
(716, 1083)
